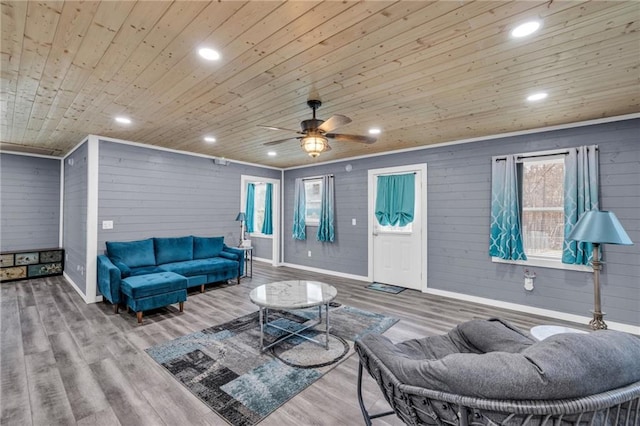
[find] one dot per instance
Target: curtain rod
(521, 157)
(316, 177)
(395, 174)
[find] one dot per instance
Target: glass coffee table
(288, 295)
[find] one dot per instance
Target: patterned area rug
(387, 288)
(223, 365)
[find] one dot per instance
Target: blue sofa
(170, 266)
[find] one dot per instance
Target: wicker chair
(420, 406)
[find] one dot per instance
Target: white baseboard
(326, 272)
(579, 319)
(98, 298)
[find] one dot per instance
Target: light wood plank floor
(65, 362)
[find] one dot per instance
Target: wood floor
(65, 362)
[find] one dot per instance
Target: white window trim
(541, 262)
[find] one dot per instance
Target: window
(259, 206)
(313, 201)
(530, 206)
(543, 207)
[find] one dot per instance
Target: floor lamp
(241, 218)
(599, 227)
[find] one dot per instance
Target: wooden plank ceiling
(423, 72)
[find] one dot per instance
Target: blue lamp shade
(601, 227)
(240, 217)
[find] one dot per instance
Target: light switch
(107, 224)
(353, 221)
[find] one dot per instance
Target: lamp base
(597, 323)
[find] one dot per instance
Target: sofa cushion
(200, 266)
(173, 249)
(132, 253)
(143, 270)
(568, 365)
(206, 247)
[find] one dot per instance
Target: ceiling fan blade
(351, 138)
(279, 141)
(334, 122)
(278, 128)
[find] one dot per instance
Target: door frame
(422, 168)
(275, 237)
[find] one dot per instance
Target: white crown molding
(177, 151)
(478, 139)
(27, 154)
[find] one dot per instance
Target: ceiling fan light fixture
(314, 145)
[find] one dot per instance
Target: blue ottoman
(151, 291)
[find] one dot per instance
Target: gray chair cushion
(562, 366)
(492, 335)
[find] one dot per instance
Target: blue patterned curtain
(326, 231)
(580, 196)
(267, 224)
(506, 234)
(249, 208)
(395, 199)
(299, 211)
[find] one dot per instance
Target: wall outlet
(528, 284)
(309, 253)
(107, 224)
(353, 221)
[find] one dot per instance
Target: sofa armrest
(234, 254)
(109, 279)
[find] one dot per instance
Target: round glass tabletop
(294, 294)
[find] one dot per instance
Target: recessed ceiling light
(374, 131)
(209, 54)
(209, 139)
(271, 153)
(525, 29)
(537, 96)
(123, 120)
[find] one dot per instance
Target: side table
(248, 261)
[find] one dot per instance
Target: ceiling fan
(316, 132)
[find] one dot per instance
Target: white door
(398, 254)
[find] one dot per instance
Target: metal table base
(264, 322)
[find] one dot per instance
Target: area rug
(224, 367)
(387, 288)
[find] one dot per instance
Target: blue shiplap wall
(154, 193)
(74, 233)
(458, 193)
(29, 202)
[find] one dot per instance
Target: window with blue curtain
(326, 230)
(395, 199)
(249, 208)
(566, 186)
(299, 211)
(259, 208)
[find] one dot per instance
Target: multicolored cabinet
(23, 265)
